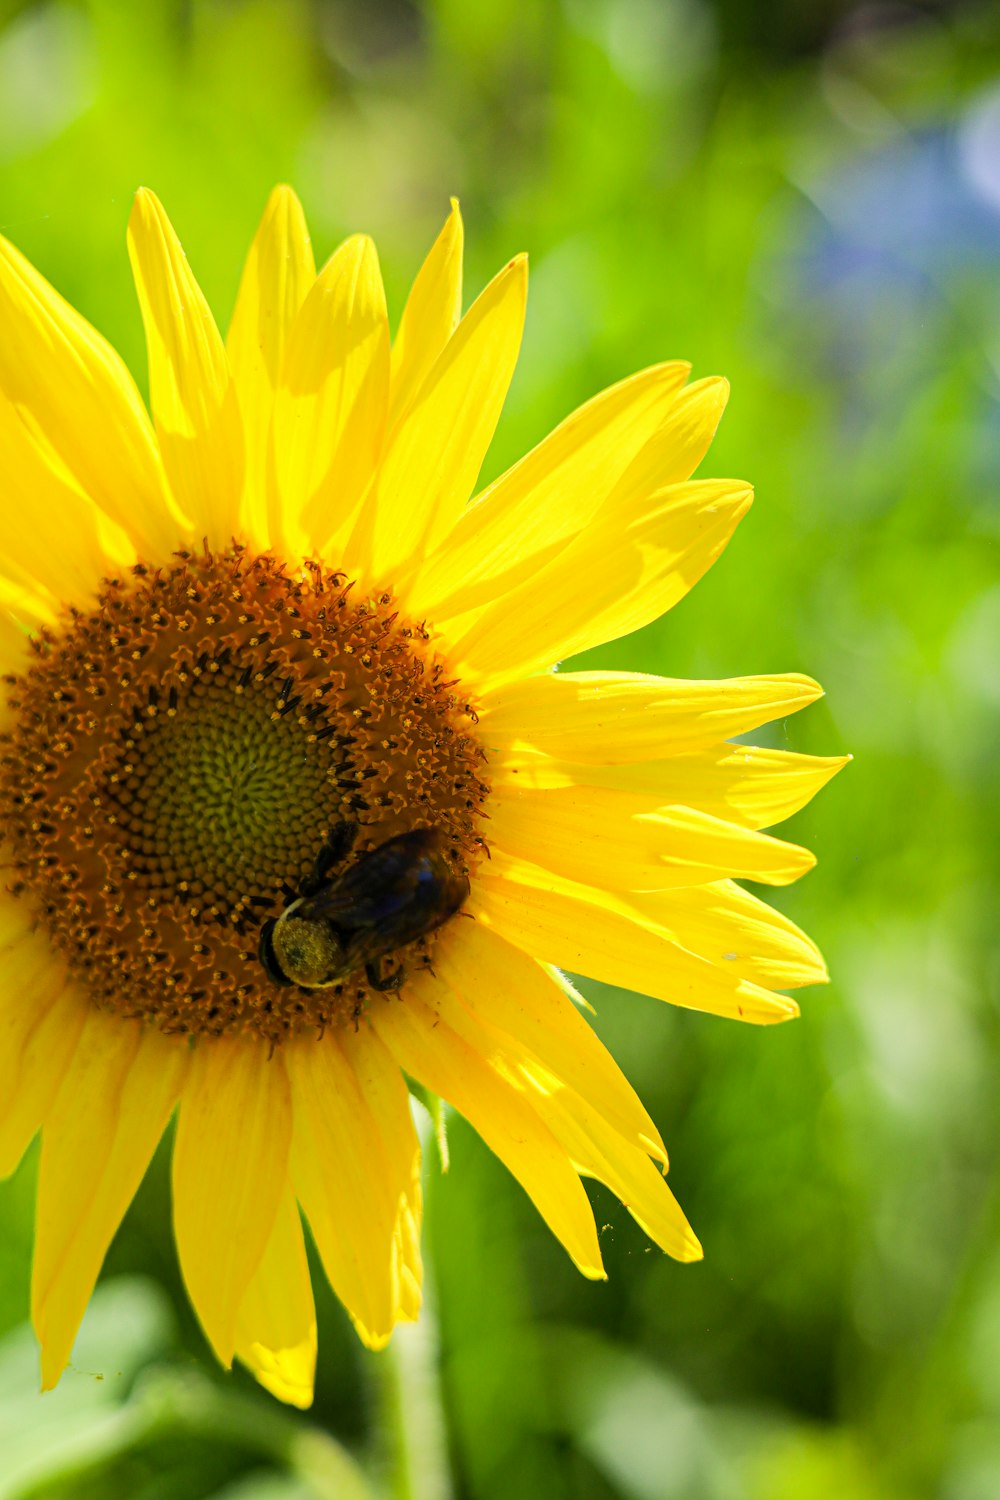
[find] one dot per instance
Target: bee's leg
(339, 844)
(340, 841)
(384, 986)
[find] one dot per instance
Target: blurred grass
(799, 205)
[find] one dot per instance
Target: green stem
(411, 1413)
(412, 1425)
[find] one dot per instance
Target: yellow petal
(97, 1140)
(437, 449)
(598, 1151)
(677, 447)
(595, 1148)
(633, 562)
(52, 531)
(194, 400)
(607, 937)
(697, 841)
(728, 926)
(611, 717)
(79, 394)
(353, 1162)
(419, 1037)
(278, 273)
(24, 609)
(229, 1172)
(588, 834)
(13, 641)
(623, 840)
(739, 783)
(388, 1100)
(276, 1324)
(330, 404)
(408, 1268)
(506, 988)
(430, 316)
(41, 1018)
(522, 520)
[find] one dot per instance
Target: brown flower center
(179, 757)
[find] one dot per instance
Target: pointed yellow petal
(276, 1324)
(506, 988)
(522, 520)
(81, 397)
(728, 926)
(41, 1018)
(430, 316)
(53, 533)
(353, 1163)
(739, 783)
(278, 273)
(632, 563)
(388, 1100)
(697, 841)
(593, 1145)
(598, 1151)
(419, 1037)
(607, 937)
(623, 840)
(330, 404)
(193, 396)
(97, 1141)
(229, 1173)
(677, 447)
(437, 449)
(611, 717)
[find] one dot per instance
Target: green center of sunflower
(180, 756)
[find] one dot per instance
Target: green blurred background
(806, 198)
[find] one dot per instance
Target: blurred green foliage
(801, 198)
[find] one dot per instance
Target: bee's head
(295, 950)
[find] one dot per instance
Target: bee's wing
(398, 877)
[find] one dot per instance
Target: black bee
(389, 897)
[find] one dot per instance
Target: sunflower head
(294, 805)
(179, 756)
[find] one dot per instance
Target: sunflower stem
(412, 1418)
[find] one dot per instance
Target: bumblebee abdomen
(308, 953)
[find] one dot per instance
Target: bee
(394, 894)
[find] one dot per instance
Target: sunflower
(269, 625)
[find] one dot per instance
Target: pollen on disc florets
(178, 756)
